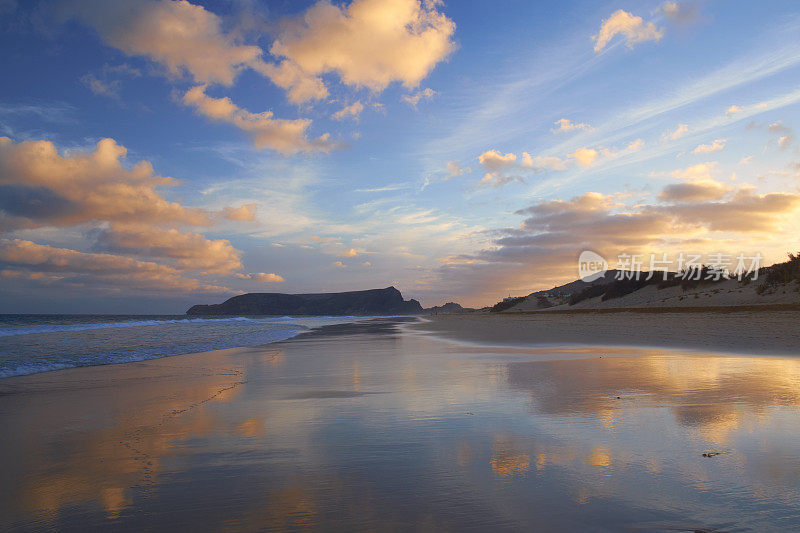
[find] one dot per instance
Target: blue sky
(459, 151)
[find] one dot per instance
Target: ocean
(39, 343)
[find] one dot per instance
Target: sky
(155, 154)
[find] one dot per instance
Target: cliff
(386, 301)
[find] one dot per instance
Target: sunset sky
(156, 154)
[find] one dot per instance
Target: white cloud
(732, 110)
(632, 27)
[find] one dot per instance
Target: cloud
(352, 111)
(190, 251)
(109, 89)
(542, 162)
(44, 188)
(414, 98)
(245, 213)
(183, 37)
(785, 134)
(455, 169)
(120, 208)
(339, 264)
(585, 156)
(697, 191)
(679, 132)
(352, 252)
(96, 270)
(493, 160)
(633, 28)
(554, 232)
(368, 43)
(262, 277)
(564, 124)
(717, 145)
(282, 135)
(699, 172)
(732, 110)
(680, 13)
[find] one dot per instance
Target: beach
(381, 425)
(744, 330)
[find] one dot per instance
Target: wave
(55, 328)
(20, 368)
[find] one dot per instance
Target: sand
(728, 330)
(723, 294)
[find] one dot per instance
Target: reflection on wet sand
(370, 428)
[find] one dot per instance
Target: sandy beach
(731, 330)
(378, 426)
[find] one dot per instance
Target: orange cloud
(368, 43)
(245, 213)
(282, 135)
(181, 36)
(106, 270)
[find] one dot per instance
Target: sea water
(40, 343)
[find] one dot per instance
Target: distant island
(384, 302)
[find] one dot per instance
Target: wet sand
(378, 427)
(730, 330)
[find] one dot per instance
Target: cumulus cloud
(732, 110)
(716, 146)
(120, 207)
(696, 191)
(414, 98)
(631, 27)
(699, 172)
(263, 277)
(245, 213)
(352, 111)
(368, 43)
(564, 124)
(183, 37)
(43, 188)
(493, 160)
(585, 156)
(352, 252)
(282, 135)
(554, 232)
(96, 269)
(191, 251)
(542, 162)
